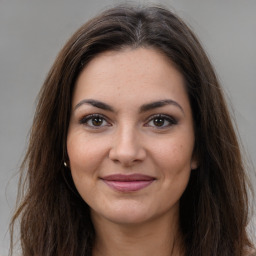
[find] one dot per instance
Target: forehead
(129, 59)
(125, 74)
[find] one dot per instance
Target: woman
(132, 149)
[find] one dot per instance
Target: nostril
(115, 161)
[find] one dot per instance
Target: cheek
(175, 165)
(85, 154)
(173, 156)
(84, 160)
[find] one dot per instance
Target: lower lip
(128, 186)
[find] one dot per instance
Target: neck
(159, 237)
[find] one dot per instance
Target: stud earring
(65, 164)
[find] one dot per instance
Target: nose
(127, 148)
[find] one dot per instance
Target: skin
(128, 140)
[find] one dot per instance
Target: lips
(128, 183)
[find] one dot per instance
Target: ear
(194, 162)
(194, 165)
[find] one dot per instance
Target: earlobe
(66, 164)
(194, 165)
(194, 162)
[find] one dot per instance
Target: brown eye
(161, 121)
(94, 121)
(97, 121)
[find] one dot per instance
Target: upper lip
(129, 177)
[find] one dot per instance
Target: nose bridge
(127, 147)
(126, 138)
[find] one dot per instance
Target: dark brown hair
(214, 208)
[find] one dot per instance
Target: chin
(128, 219)
(123, 215)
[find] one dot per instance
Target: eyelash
(165, 118)
(85, 120)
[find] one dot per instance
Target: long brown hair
(54, 219)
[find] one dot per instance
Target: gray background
(33, 31)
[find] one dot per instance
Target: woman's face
(130, 139)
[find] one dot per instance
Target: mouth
(128, 183)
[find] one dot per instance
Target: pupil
(97, 121)
(158, 121)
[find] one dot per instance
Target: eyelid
(169, 118)
(172, 120)
(86, 118)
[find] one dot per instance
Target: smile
(128, 183)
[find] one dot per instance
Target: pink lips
(128, 183)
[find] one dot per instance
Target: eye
(94, 121)
(161, 121)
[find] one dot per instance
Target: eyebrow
(143, 108)
(95, 103)
(158, 104)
